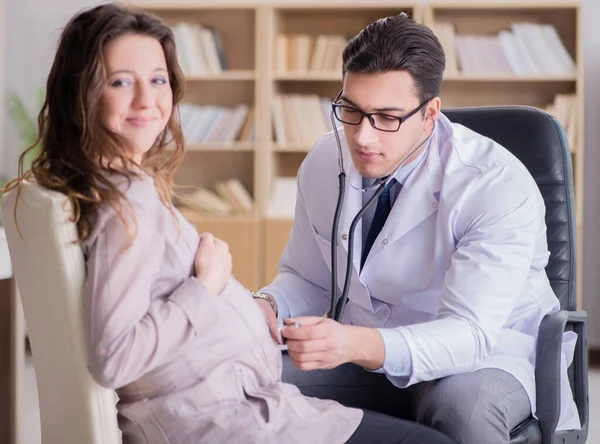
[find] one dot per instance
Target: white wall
(33, 26)
(3, 32)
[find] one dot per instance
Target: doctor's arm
(497, 226)
(302, 286)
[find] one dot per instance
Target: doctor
(448, 283)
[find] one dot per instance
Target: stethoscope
(338, 303)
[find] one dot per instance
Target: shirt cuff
(398, 361)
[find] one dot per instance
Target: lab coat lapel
(416, 202)
(352, 205)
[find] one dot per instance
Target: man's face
(377, 153)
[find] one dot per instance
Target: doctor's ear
(432, 112)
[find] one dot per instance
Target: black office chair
(538, 140)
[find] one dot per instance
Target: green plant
(25, 123)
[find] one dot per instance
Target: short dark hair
(398, 43)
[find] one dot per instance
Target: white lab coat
(458, 267)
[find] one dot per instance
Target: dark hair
(398, 43)
(77, 150)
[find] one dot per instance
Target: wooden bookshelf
(252, 37)
(231, 80)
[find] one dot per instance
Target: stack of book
(199, 49)
(527, 49)
(300, 119)
(229, 198)
(564, 108)
(301, 53)
(217, 124)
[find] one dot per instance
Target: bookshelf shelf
(309, 77)
(272, 56)
(217, 147)
(337, 77)
(291, 148)
(227, 75)
(508, 78)
(197, 218)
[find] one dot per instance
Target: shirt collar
(403, 172)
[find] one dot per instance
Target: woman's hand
(213, 263)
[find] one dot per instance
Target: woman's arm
(127, 333)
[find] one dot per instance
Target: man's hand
(270, 316)
(322, 343)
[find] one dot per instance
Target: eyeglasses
(379, 121)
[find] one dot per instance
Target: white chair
(49, 269)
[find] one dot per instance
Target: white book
(293, 123)
(501, 64)
(513, 53)
(200, 65)
(183, 50)
(545, 53)
(282, 201)
(446, 34)
(317, 61)
(551, 36)
(310, 117)
(221, 120)
(540, 51)
(209, 48)
(206, 117)
(186, 113)
(298, 120)
(529, 58)
(332, 53)
(304, 43)
(320, 118)
(338, 60)
(326, 106)
(196, 117)
(278, 115)
(235, 124)
(465, 59)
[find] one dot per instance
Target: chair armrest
(547, 369)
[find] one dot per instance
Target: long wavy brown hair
(78, 153)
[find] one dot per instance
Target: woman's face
(137, 100)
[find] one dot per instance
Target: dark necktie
(382, 211)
